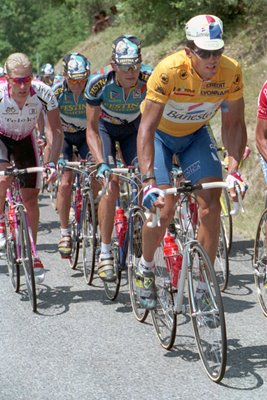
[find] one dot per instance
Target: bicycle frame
(15, 201)
(123, 249)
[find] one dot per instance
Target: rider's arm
(261, 137)
(92, 135)
(54, 130)
(234, 133)
(145, 140)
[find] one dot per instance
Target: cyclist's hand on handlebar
(153, 197)
(61, 163)
(103, 170)
(235, 181)
(51, 171)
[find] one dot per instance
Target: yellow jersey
(189, 101)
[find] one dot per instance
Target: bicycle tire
(227, 219)
(89, 238)
(260, 262)
(12, 264)
(221, 263)
(207, 313)
(26, 256)
(133, 258)
(112, 288)
(75, 247)
(53, 189)
(163, 316)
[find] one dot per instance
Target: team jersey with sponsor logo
(17, 123)
(262, 102)
(72, 112)
(103, 90)
(189, 101)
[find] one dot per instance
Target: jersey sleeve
(236, 89)
(94, 89)
(262, 102)
(46, 96)
(160, 85)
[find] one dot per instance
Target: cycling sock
(146, 265)
(105, 248)
(65, 232)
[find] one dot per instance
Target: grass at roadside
(98, 49)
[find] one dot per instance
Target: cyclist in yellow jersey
(184, 92)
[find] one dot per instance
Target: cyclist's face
(77, 86)
(20, 82)
(205, 67)
(127, 79)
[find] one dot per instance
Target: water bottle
(173, 258)
(121, 224)
(78, 202)
(11, 220)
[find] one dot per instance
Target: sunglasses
(76, 81)
(207, 53)
(18, 81)
(127, 68)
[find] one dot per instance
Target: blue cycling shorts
(197, 155)
(125, 135)
(77, 139)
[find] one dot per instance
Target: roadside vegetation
(47, 33)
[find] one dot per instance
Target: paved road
(81, 346)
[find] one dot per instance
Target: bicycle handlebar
(188, 187)
(15, 171)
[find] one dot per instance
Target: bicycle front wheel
(134, 255)
(112, 288)
(227, 219)
(26, 256)
(207, 313)
(163, 316)
(221, 263)
(89, 238)
(260, 262)
(75, 247)
(12, 264)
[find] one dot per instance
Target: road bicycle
(83, 216)
(203, 298)
(186, 216)
(127, 236)
(260, 261)
(20, 247)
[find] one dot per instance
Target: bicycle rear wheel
(207, 313)
(112, 288)
(12, 264)
(260, 262)
(89, 241)
(26, 257)
(221, 263)
(163, 316)
(134, 255)
(226, 219)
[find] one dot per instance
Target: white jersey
(17, 123)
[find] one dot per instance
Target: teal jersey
(103, 90)
(72, 113)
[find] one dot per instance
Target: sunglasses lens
(76, 81)
(126, 68)
(208, 53)
(19, 81)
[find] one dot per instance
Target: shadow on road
(243, 362)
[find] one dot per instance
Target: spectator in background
(101, 21)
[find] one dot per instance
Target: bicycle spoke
(260, 262)
(207, 313)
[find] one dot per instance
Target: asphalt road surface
(81, 346)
